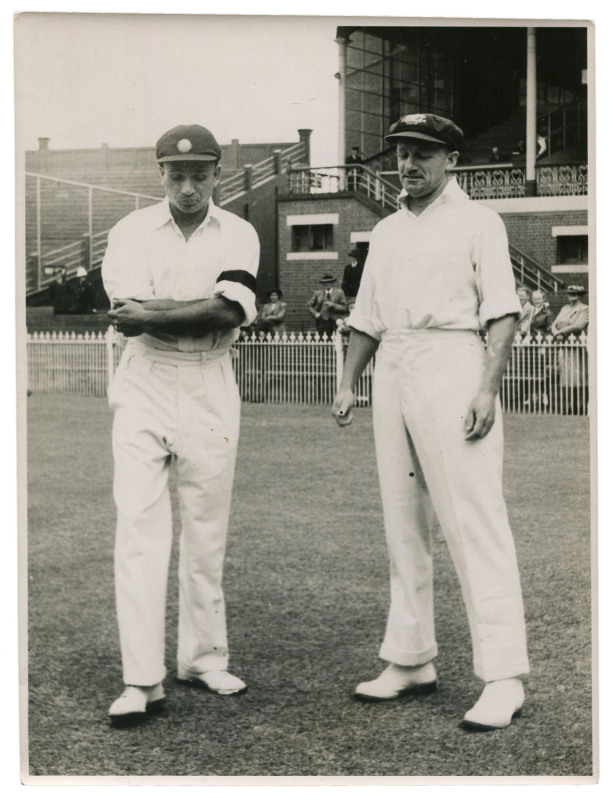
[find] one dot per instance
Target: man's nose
(187, 187)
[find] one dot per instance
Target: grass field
(307, 593)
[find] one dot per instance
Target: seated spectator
(60, 293)
(496, 156)
(541, 316)
(527, 310)
(271, 318)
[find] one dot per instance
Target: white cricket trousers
(186, 406)
(424, 382)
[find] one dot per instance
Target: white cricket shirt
(148, 258)
(448, 268)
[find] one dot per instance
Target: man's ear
(452, 159)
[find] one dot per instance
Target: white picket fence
(543, 376)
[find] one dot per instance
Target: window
(310, 238)
(572, 249)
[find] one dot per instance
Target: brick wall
(531, 233)
(299, 279)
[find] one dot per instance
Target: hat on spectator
(187, 143)
(428, 127)
(81, 272)
(575, 289)
(326, 279)
(354, 253)
(274, 291)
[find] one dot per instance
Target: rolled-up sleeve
(364, 317)
(494, 272)
(237, 282)
(123, 273)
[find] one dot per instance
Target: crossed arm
(175, 317)
(577, 326)
(481, 411)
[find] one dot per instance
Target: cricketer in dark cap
(427, 147)
(438, 272)
(181, 275)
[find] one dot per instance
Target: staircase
(64, 213)
(532, 275)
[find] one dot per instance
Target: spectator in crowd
(327, 305)
(271, 317)
(352, 174)
(573, 319)
(84, 294)
(539, 360)
(542, 146)
(355, 156)
(520, 149)
(527, 310)
(541, 316)
(496, 156)
(352, 275)
(60, 292)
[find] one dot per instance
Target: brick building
(503, 85)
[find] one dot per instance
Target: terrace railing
(543, 376)
(483, 182)
(353, 178)
(502, 181)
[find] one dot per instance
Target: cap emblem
(184, 145)
(414, 119)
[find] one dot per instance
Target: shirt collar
(164, 215)
(452, 190)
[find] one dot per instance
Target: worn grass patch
(307, 593)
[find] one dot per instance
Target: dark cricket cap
(187, 143)
(429, 127)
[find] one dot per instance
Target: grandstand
(74, 197)
(479, 76)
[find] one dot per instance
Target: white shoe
(134, 703)
(396, 681)
(499, 704)
(219, 681)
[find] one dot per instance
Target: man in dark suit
(327, 305)
(352, 275)
(353, 174)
